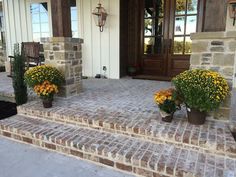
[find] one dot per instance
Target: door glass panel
(159, 27)
(185, 23)
(179, 25)
(178, 45)
(180, 7)
(159, 6)
(191, 25)
(153, 45)
(153, 26)
(192, 6)
(188, 45)
(148, 27)
(154, 8)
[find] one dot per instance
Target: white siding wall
(16, 23)
(99, 49)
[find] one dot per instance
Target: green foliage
(168, 106)
(20, 89)
(37, 75)
(201, 89)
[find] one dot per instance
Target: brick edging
(131, 132)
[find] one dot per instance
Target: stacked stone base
(216, 51)
(65, 54)
(125, 153)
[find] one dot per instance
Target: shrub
(37, 75)
(201, 89)
(20, 89)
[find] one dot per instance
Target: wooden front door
(165, 35)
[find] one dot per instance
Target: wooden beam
(61, 18)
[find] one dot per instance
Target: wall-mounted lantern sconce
(232, 10)
(100, 16)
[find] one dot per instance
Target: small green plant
(200, 89)
(20, 89)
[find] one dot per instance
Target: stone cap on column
(213, 35)
(61, 39)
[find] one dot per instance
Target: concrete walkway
(22, 160)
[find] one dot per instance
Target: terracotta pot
(196, 117)
(47, 103)
(166, 117)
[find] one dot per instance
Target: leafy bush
(201, 89)
(20, 89)
(37, 75)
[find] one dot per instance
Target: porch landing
(6, 89)
(116, 123)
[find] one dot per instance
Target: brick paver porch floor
(114, 109)
(127, 107)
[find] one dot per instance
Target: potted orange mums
(166, 103)
(46, 91)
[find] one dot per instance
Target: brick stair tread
(126, 153)
(212, 136)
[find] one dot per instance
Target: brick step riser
(131, 155)
(133, 132)
(60, 147)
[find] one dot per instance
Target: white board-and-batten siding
(99, 48)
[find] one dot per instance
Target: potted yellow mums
(45, 81)
(201, 91)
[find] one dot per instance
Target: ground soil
(7, 109)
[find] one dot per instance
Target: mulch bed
(7, 109)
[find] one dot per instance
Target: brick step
(125, 153)
(212, 136)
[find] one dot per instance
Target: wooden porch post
(61, 18)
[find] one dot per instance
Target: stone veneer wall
(216, 51)
(65, 54)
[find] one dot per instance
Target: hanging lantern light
(100, 16)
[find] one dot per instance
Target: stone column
(216, 51)
(65, 54)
